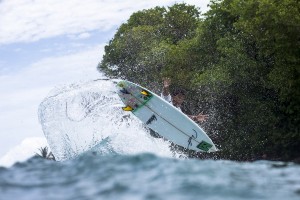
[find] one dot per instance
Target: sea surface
(148, 176)
(105, 153)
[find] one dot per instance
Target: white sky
(46, 43)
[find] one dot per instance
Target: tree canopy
(240, 62)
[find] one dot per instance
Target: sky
(48, 43)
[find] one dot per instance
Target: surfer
(177, 99)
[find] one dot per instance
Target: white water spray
(78, 117)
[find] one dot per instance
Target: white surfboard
(163, 117)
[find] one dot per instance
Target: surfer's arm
(166, 84)
(166, 92)
(199, 118)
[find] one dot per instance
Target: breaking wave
(88, 116)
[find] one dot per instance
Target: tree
(180, 22)
(143, 47)
(240, 63)
(44, 153)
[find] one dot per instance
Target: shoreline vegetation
(239, 63)
(44, 153)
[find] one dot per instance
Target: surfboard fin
(124, 91)
(127, 108)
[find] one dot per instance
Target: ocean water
(148, 176)
(103, 152)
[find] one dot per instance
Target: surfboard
(163, 117)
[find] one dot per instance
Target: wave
(23, 151)
(84, 116)
(148, 176)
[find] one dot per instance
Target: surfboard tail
(213, 149)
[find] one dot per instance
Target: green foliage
(180, 22)
(240, 63)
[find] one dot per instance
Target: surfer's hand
(166, 82)
(200, 117)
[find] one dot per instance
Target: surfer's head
(178, 97)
